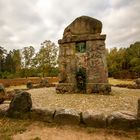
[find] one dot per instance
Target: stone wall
(116, 120)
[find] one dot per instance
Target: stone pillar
(82, 58)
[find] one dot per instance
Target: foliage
(81, 79)
(46, 58)
(2, 58)
(124, 62)
(29, 63)
(133, 58)
(28, 54)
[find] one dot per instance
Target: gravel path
(120, 99)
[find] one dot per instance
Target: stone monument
(82, 58)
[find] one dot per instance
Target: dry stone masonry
(82, 59)
(116, 120)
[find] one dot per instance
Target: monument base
(99, 88)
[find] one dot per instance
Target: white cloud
(30, 22)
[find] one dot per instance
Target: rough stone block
(94, 119)
(67, 116)
(83, 25)
(122, 120)
(42, 114)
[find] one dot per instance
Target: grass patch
(9, 127)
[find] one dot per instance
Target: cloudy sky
(30, 22)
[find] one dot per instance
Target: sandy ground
(41, 132)
(120, 99)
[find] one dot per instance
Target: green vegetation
(124, 62)
(27, 62)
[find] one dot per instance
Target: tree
(9, 63)
(113, 59)
(117, 64)
(2, 58)
(28, 54)
(16, 56)
(46, 58)
(133, 58)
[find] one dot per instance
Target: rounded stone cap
(83, 25)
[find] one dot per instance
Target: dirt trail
(41, 132)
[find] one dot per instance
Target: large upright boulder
(2, 93)
(20, 105)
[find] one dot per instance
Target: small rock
(94, 119)
(67, 116)
(44, 83)
(29, 84)
(138, 83)
(122, 119)
(2, 93)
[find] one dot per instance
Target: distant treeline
(29, 63)
(122, 63)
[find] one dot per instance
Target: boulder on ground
(94, 119)
(2, 93)
(44, 83)
(42, 114)
(20, 104)
(138, 82)
(67, 116)
(122, 120)
(29, 84)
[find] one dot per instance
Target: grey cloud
(33, 21)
